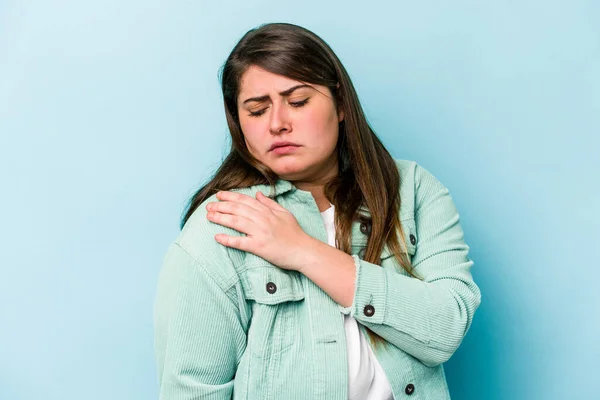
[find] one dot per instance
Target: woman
(350, 280)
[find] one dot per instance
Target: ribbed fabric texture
(230, 325)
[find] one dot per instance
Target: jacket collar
(281, 186)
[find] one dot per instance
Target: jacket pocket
(275, 296)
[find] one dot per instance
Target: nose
(279, 119)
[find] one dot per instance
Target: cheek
(322, 124)
(251, 131)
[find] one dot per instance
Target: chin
(288, 169)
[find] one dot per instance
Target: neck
(318, 192)
(316, 184)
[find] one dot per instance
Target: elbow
(451, 325)
(436, 358)
(438, 352)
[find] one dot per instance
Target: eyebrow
(286, 92)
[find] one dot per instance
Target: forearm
(427, 319)
(331, 269)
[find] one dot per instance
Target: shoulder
(415, 175)
(427, 197)
(197, 239)
(417, 183)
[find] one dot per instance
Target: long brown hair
(368, 175)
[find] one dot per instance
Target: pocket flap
(410, 235)
(266, 283)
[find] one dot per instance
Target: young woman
(313, 264)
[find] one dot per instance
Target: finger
(239, 223)
(241, 198)
(234, 208)
(237, 242)
(269, 202)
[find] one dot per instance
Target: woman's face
(273, 108)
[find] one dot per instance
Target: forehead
(257, 82)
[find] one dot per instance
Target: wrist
(309, 254)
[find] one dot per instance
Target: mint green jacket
(230, 325)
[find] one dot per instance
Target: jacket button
(413, 239)
(369, 310)
(365, 228)
(361, 253)
(409, 389)
(271, 287)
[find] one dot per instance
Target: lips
(282, 144)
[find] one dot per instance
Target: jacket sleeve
(426, 318)
(198, 334)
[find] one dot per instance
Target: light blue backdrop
(111, 116)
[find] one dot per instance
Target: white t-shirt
(366, 377)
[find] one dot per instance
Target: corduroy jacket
(231, 325)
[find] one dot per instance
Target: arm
(198, 334)
(428, 319)
(338, 279)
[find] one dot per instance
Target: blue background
(111, 116)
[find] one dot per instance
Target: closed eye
(299, 103)
(295, 104)
(257, 113)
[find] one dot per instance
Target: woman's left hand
(272, 232)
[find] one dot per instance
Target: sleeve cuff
(348, 310)
(370, 293)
